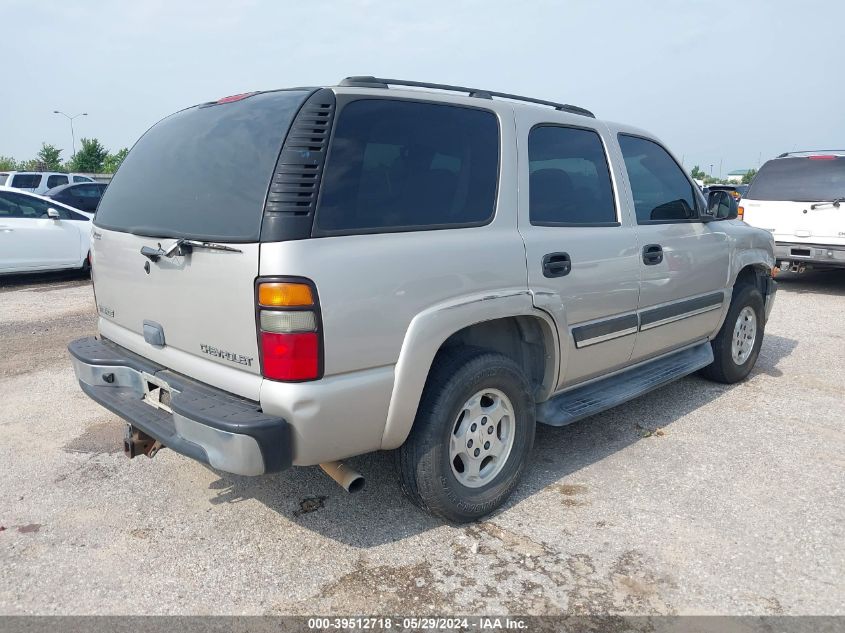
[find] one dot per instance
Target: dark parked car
(83, 195)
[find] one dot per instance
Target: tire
(430, 474)
(725, 368)
(86, 264)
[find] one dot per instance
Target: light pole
(71, 118)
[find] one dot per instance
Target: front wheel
(471, 437)
(737, 345)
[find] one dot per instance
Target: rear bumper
(818, 254)
(225, 431)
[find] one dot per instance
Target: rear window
(82, 179)
(405, 165)
(203, 172)
(26, 181)
(800, 179)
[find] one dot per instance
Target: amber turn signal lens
(739, 213)
(277, 295)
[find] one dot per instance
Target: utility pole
(71, 118)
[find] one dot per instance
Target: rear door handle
(556, 265)
(652, 254)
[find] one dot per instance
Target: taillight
(740, 211)
(822, 157)
(290, 337)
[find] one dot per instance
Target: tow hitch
(136, 442)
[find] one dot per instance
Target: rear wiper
(183, 246)
(835, 202)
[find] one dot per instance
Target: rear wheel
(86, 264)
(471, 438)
(737, 346)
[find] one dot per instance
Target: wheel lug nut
(486, 445)
(484, 420)
(473, 427)
(490, 430)
(477, 452)
(469, 444)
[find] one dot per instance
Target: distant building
(737, 175)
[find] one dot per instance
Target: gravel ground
(697, 498)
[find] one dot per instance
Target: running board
(582, 402)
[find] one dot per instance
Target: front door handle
(556, 265)
(652, 254)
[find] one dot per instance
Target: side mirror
(53, 214)
(721, 206)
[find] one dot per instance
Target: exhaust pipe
(350, 480)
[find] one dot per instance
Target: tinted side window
(87, 191)
(29, 207)
(55, 181)
(569, 181)
(9, 208)
(404, 165)
(661, 190)
(81, 179)
(26, 181)
(71, 215)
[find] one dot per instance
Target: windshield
(800, 179)
(203, 172)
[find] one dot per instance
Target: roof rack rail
(809, 151)
(378, 82)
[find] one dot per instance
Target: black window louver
(292, 199)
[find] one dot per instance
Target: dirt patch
(513, 541)
(310, 504)
(100, 438)
(405, 589)
(570, 490)
(32, 345)
(30, 528)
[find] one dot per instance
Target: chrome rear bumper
(210, 425)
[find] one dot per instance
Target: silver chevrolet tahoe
(298, 276)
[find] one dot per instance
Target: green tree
(90, 158)
(697, 173)
(7, 163)
(33, 164)
(749, 176)
(113, 161)
(51, 157)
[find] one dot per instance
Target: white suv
(39, 181)
(797, 197)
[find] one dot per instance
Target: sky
(725, 83)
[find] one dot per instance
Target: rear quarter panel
(373, 286)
